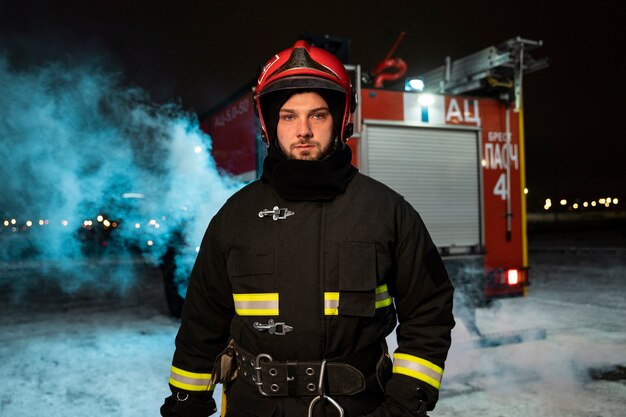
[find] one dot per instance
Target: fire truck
(451, 142)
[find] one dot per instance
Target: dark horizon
(199, 54)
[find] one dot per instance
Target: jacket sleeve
(423, 298)
(203, 334)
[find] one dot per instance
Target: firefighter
(302, 274)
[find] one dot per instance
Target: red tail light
(507, 282)
(512, 276)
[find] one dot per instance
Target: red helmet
(305, 67)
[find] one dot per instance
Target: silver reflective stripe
(190, 381)
(417, 368)
(262, 304)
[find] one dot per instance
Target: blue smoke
(76, 144)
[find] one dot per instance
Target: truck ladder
(495, 66)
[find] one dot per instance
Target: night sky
(199, 52)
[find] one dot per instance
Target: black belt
(344, 376)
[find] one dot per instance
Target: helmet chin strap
(348, 130)
(336, 143)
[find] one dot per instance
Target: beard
(316, 155)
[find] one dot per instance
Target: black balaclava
(303, 180)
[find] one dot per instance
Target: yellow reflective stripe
(262, 304)
(384, 303)
(190, 381)
(383, 299)
(417, 368)
(381, 289)
(257, 311)
(331, 296)
(188, 374)
(331, 303)
(269, 296)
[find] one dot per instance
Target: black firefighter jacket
(339, 273)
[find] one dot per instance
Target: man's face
(305, 127)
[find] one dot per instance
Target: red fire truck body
(234, 132)
(459, 161)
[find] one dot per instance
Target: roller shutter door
(436, 170)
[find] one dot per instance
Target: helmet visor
(302, 82)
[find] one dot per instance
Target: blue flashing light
(414, 84)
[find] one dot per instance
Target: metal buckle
(257, 367)
(279, 329)
(276, 213)
(321, 395)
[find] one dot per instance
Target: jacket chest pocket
(251, 276)
(251, 270)
(357, 279)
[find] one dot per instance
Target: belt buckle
(257, 368)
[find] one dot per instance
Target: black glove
(182, 405)
(402, 401)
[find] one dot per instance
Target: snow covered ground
(109, 354)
